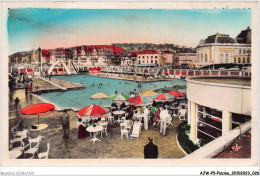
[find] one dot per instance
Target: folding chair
(45, 155)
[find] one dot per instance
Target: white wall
(232, 98)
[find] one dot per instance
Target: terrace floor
(110, 146)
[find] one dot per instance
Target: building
(169, 57)
(96, 55)
(36, 55)
(20, 57)
(189, 59)
(216, 105)
(48, 56)
(147, 57)
(221, 48)
(128, 59)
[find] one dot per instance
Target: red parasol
(93, 111)
(39, 109)
(138, 100)
(176, 93)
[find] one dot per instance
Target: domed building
(221, 48)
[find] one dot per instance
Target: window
(151, 61)
(143, 61)
(143, 57)
(244, 60)
(206, 58)
(147, 57)
(226, 58)
(248, 60)
(151, 57)
(139, 57)
(221, 58)
(240, 51)
(139, 62)
(239, 60)
(155, 61)
(201, 58)
(244, 51)
(147, 61)
(235, 60)
(155, 57)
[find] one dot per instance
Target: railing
(176, 73)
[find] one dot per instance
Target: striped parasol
(118, 97)
(147, 93)
(139, 100)
(93, 111)
(162, 97)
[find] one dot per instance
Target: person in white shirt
(163, 117)
(146, 118)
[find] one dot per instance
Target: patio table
(119, 114)
(94, 130)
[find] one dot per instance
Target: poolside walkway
(44, 85)
(128, 77)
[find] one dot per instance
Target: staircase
(74, 68)
(68, 70)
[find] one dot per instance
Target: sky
(30, 28)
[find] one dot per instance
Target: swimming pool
(81, 98)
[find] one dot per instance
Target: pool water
(81, 98)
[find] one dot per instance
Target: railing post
(229, 73)
(240, 73)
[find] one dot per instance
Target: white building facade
(221, 48)
(187, 58)
(217, 105)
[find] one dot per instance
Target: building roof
(63, 51)
(219, 38)
(46, 53)
(147, 51)
(244, 36)
(100, 48)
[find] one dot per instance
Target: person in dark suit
(150, 150)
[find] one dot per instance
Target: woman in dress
(82, 133)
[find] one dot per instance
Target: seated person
(82, 133)
(113, 106)
(123, 106)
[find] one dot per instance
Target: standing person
(30, 86)
(146, 118)
(65, 124)
(26, 88)
(156, 117)
(16, 102)
(150, 150)
(50, 76)
(135, 94)
(164, 115)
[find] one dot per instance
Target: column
(226, 122)
(193, 122)
(189, 112)
(204, 112)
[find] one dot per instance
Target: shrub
(180, 86)
(184, 140)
